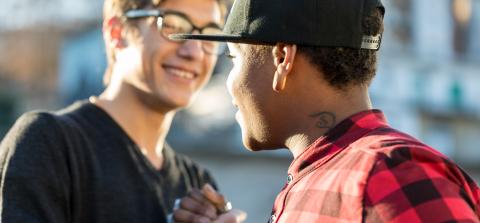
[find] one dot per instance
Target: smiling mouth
(181, 73)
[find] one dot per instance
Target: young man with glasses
(106, 159)
(300, 80)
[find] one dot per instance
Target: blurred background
(428, 84)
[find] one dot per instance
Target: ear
(113, 33)
(283, 55)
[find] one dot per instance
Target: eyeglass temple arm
(139, 13)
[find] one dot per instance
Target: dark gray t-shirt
(78, 165)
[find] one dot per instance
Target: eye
(229, 55)
(172, 23)
(232, 52)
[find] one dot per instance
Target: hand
(232, 216)
(206, 206)
(227, 214)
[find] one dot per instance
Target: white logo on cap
(371, 42)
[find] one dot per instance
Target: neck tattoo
(325, 120)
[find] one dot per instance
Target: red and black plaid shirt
(365, 171)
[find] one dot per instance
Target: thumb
(233, 216)
(213, 196)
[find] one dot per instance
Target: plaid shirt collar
(338, 138)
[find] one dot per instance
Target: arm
(416, 186)
(33, 187)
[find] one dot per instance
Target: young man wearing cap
(300, 80)
(106, 160)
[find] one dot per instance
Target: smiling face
(250, 85)
(166, 75)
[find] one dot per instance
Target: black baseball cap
(324, 23)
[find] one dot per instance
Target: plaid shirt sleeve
(415, 185)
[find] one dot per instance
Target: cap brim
(217, 38)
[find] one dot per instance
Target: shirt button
(272, 219)
(289, 178)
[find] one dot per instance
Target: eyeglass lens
(176, 24)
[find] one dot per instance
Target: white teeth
(181, 73)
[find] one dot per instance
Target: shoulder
(390, 144)
(32, 125)
(400, 159)
(39, 124)
(36, 119)
(408, 163)
(409, 174)
(37, 132)
(33, 131)
(32, 143)
(396, 151)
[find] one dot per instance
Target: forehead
(201, 12)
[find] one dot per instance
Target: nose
(191, 49)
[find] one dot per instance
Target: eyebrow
(213, 24)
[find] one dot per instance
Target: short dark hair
(118, 8)
(343, 67)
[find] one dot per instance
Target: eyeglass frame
(158, 13)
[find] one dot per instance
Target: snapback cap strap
(371, 42)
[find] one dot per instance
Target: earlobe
(279, 81)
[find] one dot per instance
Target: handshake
(205, 206)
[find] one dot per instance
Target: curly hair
(343, 67)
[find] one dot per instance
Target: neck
(317, 119)
(146, 127)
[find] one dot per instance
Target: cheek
(233, 79)
(129, 58)
(209, 63)
(128, 65)
(149, 56)
(155, 48)
(208, 66)
(149, 66)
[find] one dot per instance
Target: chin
(182, 101)
(251, 147)
(176, 103)
(181, 104)
(161, 105)
(255, 145)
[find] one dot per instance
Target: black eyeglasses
(173, 22)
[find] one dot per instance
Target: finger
(233, 216)
(197, 195)
(213, 195)
(181, 215)
(199, 208)
(218, 199)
